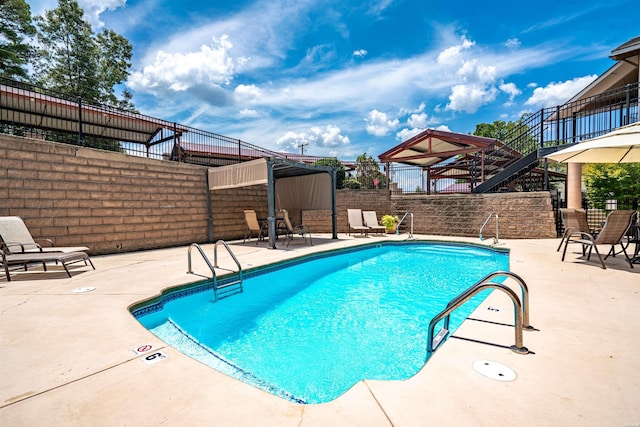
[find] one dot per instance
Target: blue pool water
(311, 330)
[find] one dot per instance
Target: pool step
(440, 336)
(227, 289)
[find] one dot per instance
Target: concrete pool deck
(66, 358)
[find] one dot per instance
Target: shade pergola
(434, 146)
(289, 185)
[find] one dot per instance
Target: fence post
(80, 138)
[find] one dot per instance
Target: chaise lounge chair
(24, 258)
(371, 221)
(15, 234)
(291, 229)
(354, 217)
(614, 230)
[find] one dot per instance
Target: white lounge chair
(355, 222)
(17, 239)
(371, 221)
(26, 258)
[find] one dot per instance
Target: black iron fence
(28, 110)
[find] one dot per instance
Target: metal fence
(28, 110)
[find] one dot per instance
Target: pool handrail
(485, 283)
(402, 220)
(486, 221)
(212, 267)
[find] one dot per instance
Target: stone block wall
(109, 202)
(520, 215)
(112, 202)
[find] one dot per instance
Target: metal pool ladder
(226, 288)
(521, 310)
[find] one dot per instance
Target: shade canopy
(434, 146)
(290, 185)
(620, 146)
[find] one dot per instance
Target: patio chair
(371, 221)
(17, 239)
(253, 225)
(291, 229)
(26, 258)
(574, 221)
(612, 233)
(354, 217)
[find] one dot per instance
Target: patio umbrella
(620, 146)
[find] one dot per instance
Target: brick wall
(112, 202)
(107, 201)
(520, 215)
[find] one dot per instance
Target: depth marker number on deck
(156, 357)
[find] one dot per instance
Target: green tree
(15, 30)
(368, 173)
(73, 60)
(498, 130)
(334, 163)
(605, 181)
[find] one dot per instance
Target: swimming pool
(308, 330)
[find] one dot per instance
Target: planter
(392, 229)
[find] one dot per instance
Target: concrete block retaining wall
(112, 202)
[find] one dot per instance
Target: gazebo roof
(434, 146)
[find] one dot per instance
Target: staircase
(509, 166)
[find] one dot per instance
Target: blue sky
(353, 77)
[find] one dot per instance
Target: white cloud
(247, 93)
(418, 120)
(512, 43)
(360, 53)
(557, 93)
(94, 8)
(210, 67)
(247, 112)
(378, 123)
(329, 136)
(469, 98)
(451, 54)
(406, 133)
(511, 89)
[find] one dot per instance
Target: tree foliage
(72, 59)
(368, 173)
(334, 163)
(15, 29)
(605, 181)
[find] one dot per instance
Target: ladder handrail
(402, 219)
(486, 221)
(204, 256)
(213, 267)
(215, 256)
(470, 293)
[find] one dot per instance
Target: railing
(36, 112)
(204, 256)
(495, 239)
(548, 127)
(224, 289)
(521, 310)
(406, 214)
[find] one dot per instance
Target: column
(574, 185)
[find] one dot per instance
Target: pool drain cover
(494, 370)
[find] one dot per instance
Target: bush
(352, 184)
